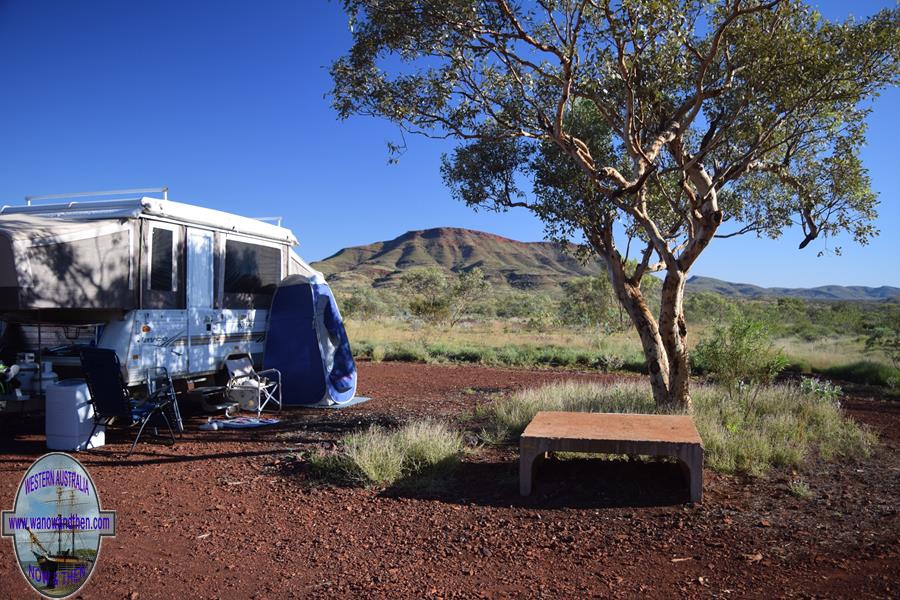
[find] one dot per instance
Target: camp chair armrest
(160, 400)
(268, 373)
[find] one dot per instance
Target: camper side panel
(86, 267)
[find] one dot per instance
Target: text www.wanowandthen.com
(58, 522)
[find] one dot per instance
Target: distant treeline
(588, 302)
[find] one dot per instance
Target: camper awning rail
(161, 190)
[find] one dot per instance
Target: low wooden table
(612, 433)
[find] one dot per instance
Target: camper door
(200, 296)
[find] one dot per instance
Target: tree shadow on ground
(575, 483)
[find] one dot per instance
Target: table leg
(691, 459)
(527, 457)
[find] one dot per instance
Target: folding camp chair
(111, 399)
(159, 385)
(252, 389)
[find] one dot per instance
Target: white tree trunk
(673, 331)
(633, 301)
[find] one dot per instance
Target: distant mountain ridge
(525, 265)
(824, 292)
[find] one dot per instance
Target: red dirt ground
(232, 514)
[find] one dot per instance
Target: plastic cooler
(70, 417)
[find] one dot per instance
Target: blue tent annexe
(307, 342)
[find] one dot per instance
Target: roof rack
(276, 220)
(163, 190)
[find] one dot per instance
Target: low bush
(635, 364)
(782, 427)
(428, 447)
(739, 355)
(557, 356)
(361, 303)
(513, 356)
(335, 467)
(361, 350)
(380, 456)
(378, 353)
(824, 390)
(866, 372)
(463, 354)
(885, 340)
(402, 352)
(608, 362)
(800, 489)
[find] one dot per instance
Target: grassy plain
(485, 341)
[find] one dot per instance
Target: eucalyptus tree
(644, 126)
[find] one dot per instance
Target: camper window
(162, 265)
(251, 270)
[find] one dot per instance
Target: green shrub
(379, 456)
(587, 302)
(866, 372)
(557, 356)
(608, 361)
(513, 356)
(428, 293)
(707, 307)
(378, 353)
(375, 454)
(741, 354)
(464, 354)
(525, 305)
(824, 390)
(780, 429)
(635, 364)
(428, 446)
(404, 352)
(541, 322)
(885, 340)
(334, 467)
(361, 350)
(360, 303)
(799, 489)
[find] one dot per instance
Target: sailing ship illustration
(64, 566)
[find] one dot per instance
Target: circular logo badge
(56, 525)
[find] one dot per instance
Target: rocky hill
(506, 262)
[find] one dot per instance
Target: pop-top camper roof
(84, 255)
(66, 213)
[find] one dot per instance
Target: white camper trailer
(161, 282)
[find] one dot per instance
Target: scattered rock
(753, 558)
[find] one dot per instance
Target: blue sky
(224, 103)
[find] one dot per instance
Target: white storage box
(70, 417)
